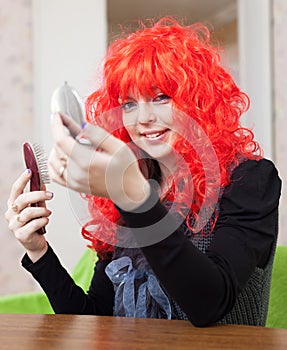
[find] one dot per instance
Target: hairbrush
(36, 160)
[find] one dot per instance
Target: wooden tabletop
(69, 332)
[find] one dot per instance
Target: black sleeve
(206, 285)
(64, 295)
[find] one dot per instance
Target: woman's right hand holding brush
(24, 220)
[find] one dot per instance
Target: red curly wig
(182, 63)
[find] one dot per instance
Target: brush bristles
(42, 163)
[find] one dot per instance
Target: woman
(184, 206)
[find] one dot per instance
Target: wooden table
(69, 332)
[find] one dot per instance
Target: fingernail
(84, 125)
(28, 171)
(49, 194)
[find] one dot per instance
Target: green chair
(277, 312)
(37, 302)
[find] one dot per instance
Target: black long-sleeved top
(205, 285)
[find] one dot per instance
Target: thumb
(100, 138)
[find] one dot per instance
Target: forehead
(138, 93)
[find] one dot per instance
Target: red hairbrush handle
(35, 181)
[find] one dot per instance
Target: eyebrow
(127, 98)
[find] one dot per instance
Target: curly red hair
(182, 62)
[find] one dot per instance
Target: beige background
(16, 118)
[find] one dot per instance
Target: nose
(146, 113)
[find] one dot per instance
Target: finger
(19, 186)
(25, 200)
(31, 213)
(69, 122)
(99, 137)
(58, 152)
(57, 157)
(24, 233)
(56, 166)
(33, 197)
(64, 142)
(57, 175)
(27, 215)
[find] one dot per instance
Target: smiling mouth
(154, 135)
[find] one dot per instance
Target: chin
(160, 155)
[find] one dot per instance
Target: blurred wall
(69, 41)
(16, 119)
(43, 43)
(279, 58)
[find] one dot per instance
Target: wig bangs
(142, 75)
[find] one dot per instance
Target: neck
(168, 169)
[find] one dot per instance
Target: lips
(154, 134)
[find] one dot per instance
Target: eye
(128, 106)
(161, 98)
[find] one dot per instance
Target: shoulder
(262, 167)
(250, 202)
(256, 175)
(254, 184)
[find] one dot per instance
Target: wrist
(134, 195)
(35, 255)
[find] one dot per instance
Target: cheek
(125, 120)
(131, 131)
(165, 114)
(129, 122)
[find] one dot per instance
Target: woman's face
(148, 120)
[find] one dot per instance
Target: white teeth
(155, 135)
(152, 136)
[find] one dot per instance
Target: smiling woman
(183, 206)
(173, 68)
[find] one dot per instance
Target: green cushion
(26, 303)
(84, 270)
(277, 313)
(37, 302)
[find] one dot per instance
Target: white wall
(280, 105)
(69, 42)
(255, 50)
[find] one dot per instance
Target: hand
(107, 169)
(24, 220)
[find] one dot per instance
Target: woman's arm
(64, 295)
(24, 220)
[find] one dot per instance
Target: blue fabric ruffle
(125, 279)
